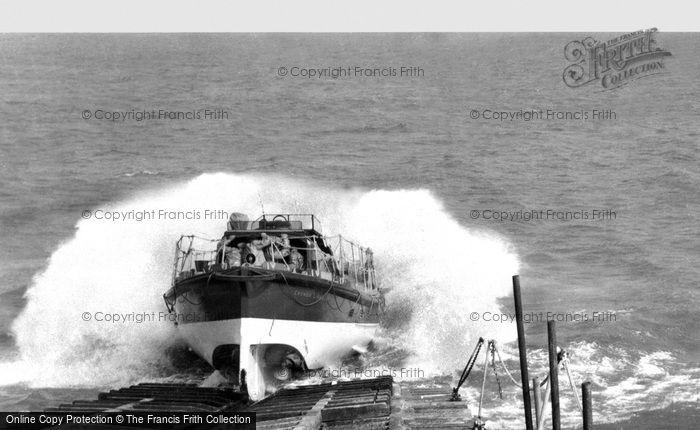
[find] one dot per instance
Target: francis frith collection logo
(615, 62)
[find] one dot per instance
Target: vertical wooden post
(522, 350)
(536, 395)
(587, 406)
(553, 373)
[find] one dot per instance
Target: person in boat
(258, 251)
(281, 248)
(263, 245)
(234, 255)
(264, 241)
(223, 247)
(333, 268)
(297, 260)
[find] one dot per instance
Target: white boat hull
(321, 344)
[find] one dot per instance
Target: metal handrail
(345, 254)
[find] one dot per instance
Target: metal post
(177, 254)
(354, 265)
(522, 349)
(223, 253)
(364, 269)
(479, 424)
(553, 373)
(536, 395)
(342, 262)
(587, 406)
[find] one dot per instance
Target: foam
(435, 268)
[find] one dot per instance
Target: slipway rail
(157, 398)
(371, 404)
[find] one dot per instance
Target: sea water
(451, 206)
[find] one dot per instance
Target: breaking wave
(433, 268)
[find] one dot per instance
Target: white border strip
(345, 16)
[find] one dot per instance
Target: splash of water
(435, 270)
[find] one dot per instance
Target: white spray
(436, 269)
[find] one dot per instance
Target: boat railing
(279, 222)
(193, 255)
(332, 258)
(351, 262)
(287, 221)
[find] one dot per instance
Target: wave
(433, 268)
(623, 383)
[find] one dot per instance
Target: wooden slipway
(377, 403)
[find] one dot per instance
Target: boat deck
(367, 404)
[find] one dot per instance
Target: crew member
(224, 242)
(297, 260)
(282, 246)
(234, 254)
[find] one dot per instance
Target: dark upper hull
(259, 293)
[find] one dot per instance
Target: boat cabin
(279, 242)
